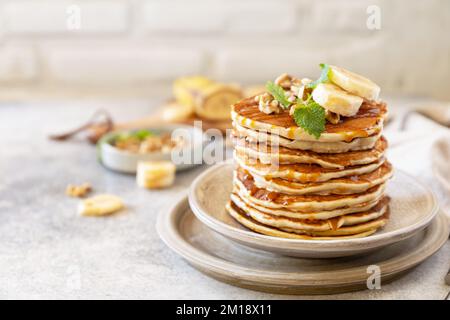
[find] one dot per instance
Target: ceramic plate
(412, 207)
(242, 266)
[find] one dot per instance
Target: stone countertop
(47, 251)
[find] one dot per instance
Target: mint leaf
(278, 93)
(142, 134)
(311, 117)
(323, 76)
(139, 134)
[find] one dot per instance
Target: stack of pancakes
(289, 184)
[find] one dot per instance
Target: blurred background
(136, 48)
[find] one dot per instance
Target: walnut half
(78, 191)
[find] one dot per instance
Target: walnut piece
(332, 117)
(78, 191)
(267, 104)
(284, 81)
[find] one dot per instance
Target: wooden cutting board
(157, 119)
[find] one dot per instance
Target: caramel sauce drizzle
(370, 115)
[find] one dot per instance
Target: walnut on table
(78, 191)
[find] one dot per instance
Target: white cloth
(410, 150)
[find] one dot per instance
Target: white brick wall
(329, 16)
(49, 17)
(97, 63)
(131, 43)
(206, 16)
(17, 63)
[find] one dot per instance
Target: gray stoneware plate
(413, 206)
(260, 270)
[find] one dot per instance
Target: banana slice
(175, 112)
(208, 99)
(336, 100)
(184, 87)
(155, 174)
(354, 83)
(214, 102)
(100, 205)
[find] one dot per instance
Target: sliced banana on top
(354, 83)
(103, 204)
(336, 100)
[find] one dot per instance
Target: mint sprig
(278, 93)
(324, 76)
(139, 134)
(311, 117)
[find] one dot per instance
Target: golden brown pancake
(290, 184)
(368, 121)
(268, 155)
(244, 185)
(301, 172)
(304, 144)
(254, 225)
(345, 185)
(316, 215)
(308, 225)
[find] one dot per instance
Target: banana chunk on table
(100, 205)
(155, 174)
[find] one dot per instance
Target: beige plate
(413, 206)
(238, 265)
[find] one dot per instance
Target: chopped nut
(306, 81)
(78, 191)
(332, 117)
(267, 104)
(284, 81)
(296, 82)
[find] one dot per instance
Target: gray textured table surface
(48, 251)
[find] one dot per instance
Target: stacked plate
(199, 229)
(295, 197)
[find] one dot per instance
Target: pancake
(245, 187)
(345, 231)
(367, 122)
(307, 225)
(321, 147)
(292, 184)
(254, 225)
(300, 172)
(346, 185)
(268, 155)
(317, 215)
